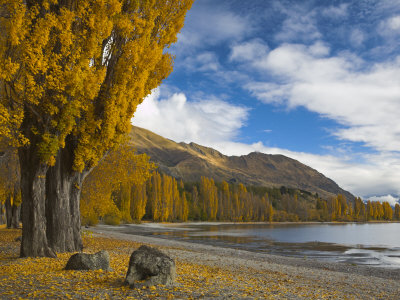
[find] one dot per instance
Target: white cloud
(388, 198)
(357, 37)
(202, 62)
(249, 51)
(390, 27)
(207, 25)
(366, 101)
(204, 121)
(394, 23)
(336, 11)
(300, 25)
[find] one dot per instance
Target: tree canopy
(81, 68)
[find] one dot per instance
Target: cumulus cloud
(364, 99)
(388, 198)
(205, 121)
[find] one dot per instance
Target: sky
(317, 81)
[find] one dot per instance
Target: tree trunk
(12, 210)
(3, 219)
(33, 178)
(63, 189)
(75, 194)
(8, 210)
(12, 213)
(16, 210)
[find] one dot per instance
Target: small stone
(18, 239)
(152, 266)
(85, 261)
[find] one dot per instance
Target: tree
(397, 212)
(10, 195)
(138, 201)
(387, 211)
(72, 74)
(118, 172)
(370, 211)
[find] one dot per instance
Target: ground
(205, 277)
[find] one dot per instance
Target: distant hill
(191, 161)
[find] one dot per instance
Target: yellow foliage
(81, 68)
(121, 167)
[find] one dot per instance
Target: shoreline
(171, 224)
(276, 260)
(203, 272)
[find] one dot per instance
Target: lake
(375, 244)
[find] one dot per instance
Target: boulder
(85, 261)
(150, 266)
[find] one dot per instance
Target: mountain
(191, 161)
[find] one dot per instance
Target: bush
(90, 220)
(112, 220)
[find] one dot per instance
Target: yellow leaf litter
(45, 278)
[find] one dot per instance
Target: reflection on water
(369, 244)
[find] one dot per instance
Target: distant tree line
(163, 198)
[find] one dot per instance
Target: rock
(18, 239)
(151, 265)
(85, 261)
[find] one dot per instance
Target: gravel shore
(318, 279)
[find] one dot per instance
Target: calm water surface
(369, 244)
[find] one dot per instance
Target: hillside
(191, 161)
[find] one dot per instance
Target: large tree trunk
(63, 189)
(33, 178)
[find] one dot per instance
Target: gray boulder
(84, 261)
(152, 266)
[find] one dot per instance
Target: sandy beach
(291, 278)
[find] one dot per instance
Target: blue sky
(318, 81)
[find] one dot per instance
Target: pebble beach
(302, 278)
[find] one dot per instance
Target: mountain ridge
(190, 161)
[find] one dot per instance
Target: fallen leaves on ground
(28, 278)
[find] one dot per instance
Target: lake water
(376, 244)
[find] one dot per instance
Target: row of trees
(338, 209)
(163, 198)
